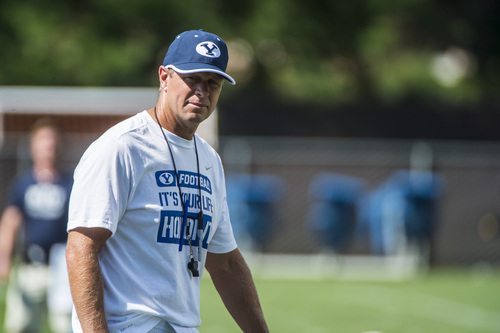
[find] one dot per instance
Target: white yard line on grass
(328, 266)
(427, 307)
(370, 268)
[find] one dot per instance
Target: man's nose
(201, 89)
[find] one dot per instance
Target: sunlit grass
(442, 301)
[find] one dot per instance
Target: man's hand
(233, 281)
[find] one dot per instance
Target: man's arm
(233, 281)
(85, 276)
(9, 225)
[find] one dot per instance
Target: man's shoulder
(203, 144)
(24, 178)
(131, 124)
(117, 139)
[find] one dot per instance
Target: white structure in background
(87, 101)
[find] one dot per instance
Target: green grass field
(442, 301)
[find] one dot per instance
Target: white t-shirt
(125, 182)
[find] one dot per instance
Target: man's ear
(163, 76)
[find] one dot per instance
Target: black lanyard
(192, 264)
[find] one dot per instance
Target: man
(37, 205)
(148, 210)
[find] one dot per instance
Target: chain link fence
(466, 222)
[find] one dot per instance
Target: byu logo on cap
(208, 49)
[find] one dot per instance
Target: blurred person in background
(33, 239)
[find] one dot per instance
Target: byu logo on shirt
(208, 49)
(165, 178)
(45, 201)
(187, 179)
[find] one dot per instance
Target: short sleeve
(223, 240)
(101, 186)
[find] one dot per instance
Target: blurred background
(363, 130)
(361, 142)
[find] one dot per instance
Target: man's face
(44, 146)
(191, 98)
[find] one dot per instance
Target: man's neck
(171, 126)
(44, 174)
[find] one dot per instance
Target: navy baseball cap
(198, 51)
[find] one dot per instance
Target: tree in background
(321, 51)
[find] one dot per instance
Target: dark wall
(261, 115)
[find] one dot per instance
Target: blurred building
(83, 113)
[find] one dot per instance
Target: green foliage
(318, 51)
